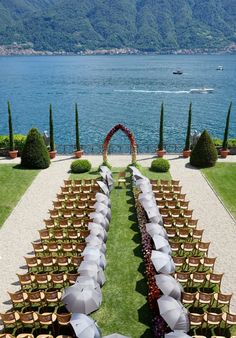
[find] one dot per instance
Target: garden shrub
(19, 141)
(80, 166)
(35, 154)
(204, 153)
(160, 165)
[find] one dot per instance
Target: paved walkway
(20, 229)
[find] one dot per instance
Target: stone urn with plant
(78, 152)
(187, 150)
(224, 151)
(12, 152)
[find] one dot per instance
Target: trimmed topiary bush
(35, 154)
(160, 165)
(80, 166)
(204, 153)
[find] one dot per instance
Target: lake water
(118, 89)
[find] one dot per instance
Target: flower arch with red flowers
(128, 133)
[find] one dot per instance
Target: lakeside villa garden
(119, 244)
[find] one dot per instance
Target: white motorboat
(220, 68)
(203, 90)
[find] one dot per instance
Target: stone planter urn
(186, 153)
(161, 153)
(78, 153)
(12, 153)
(52, 154)
(224, 153)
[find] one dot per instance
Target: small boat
(203, 90)
(177, 72)
(220, 68)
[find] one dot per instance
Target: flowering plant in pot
(160, 151)
(12, 152)
(187, 150)
(78, 152)
(224, 150)
(52, 151)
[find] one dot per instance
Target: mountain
(148, 25)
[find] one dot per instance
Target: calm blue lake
(117, 89)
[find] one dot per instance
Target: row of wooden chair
(194, 263)
(63, 234)
(166, 188)
(169, 196)
(211, 320)
(30, 335)
(92, 190)
(63, 223)
(176, 212)
(57, 248)
(186, 249)
(179, 222)
(15, 319)
(164, 182)
(172, 204)
(208, 300)
(50, 263)
(184, 234)
(41, 280)
(199, 279)
(81, 183)
(35, 298)
(69, 213)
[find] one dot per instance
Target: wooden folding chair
(121, 178)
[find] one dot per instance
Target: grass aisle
(222, 178)
(124, 307)
(13, 181)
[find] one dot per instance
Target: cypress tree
(225, 141)
(51, 129)
(77, 128)
(160, 145)
(187, 141)
(204, 153)
(11, 139)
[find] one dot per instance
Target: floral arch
(130, 136)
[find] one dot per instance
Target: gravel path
(20, 229)
(219, 227)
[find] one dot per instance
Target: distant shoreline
(17, 50)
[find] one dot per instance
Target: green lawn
(13, 181)
(223, 179)
(124, 307)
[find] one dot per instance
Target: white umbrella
(149, 196)
(145, 187)
(91, 269)
(100, 219)
(103, 209)
(174, 313)
(103, 198)
(162, 262)
(156, 229)
(95, 242)
(82, 299)
(157, 218)
(98, 230)
(104, 187)
(152, 213)
(87, 281)
(177, 334)
(84, 326)
(169, 286)
(94, 255)
(161, 244)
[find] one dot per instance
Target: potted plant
(187, 150)
(12, 152)
(161, 152)
(224, 150)
(78, 152)
(52, 151)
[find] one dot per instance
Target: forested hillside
(148, 25)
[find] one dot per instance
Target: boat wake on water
(153, 91)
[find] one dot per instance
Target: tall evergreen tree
(77, 128)
(225, 141)
(161, 145)
(51, 129)
(11, 138)
(187, 141)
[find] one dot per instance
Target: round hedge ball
(160, 165)
(80, 166)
